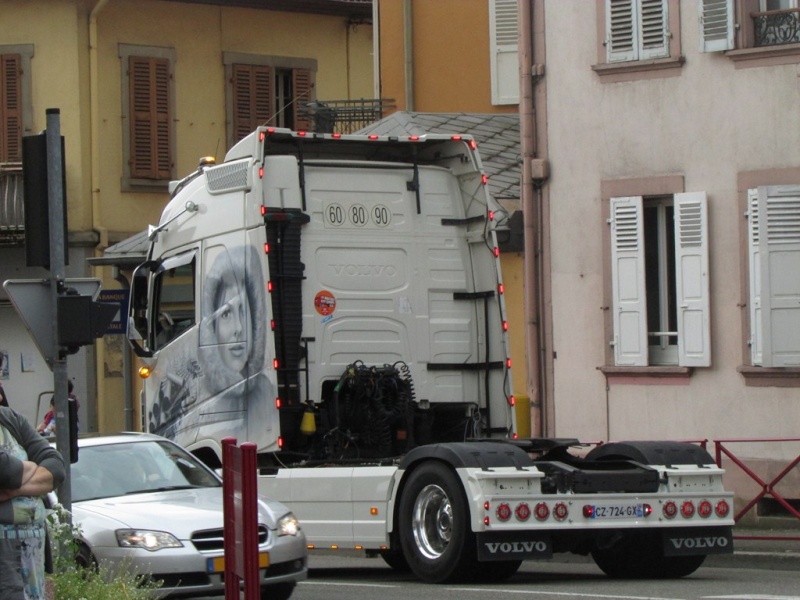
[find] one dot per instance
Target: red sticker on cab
(325, 303)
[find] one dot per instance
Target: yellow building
(145, 88)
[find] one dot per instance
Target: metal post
(55, 195)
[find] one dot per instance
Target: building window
(15, 100)
(272, 91)
(660, 289)
(774, 272)
(504, 47)
(148, 101)
(753, 31)
(636, 30)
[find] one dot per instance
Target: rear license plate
(617, 511)
(217, 565)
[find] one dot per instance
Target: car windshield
(112, 470)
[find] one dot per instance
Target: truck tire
(434, 524)
(638, 555)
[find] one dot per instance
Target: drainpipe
(529, 216)
(408, 54)
(97, 222)
(376, 50)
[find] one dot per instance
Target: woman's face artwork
(231, 324)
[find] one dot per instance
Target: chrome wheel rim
(432, 522)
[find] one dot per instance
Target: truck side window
(175, 302)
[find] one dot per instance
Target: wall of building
(708, 122)
(99, 212)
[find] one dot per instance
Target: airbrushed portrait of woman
(233, 333)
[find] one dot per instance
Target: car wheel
(84, 558)
(434, 526)
(277, 591)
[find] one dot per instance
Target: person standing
(29, 468)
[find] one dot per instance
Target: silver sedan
(144, 503)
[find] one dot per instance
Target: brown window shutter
(303, 93)
(253, 98)
(151, 130)
(10, 108)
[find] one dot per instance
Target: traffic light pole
(55, 193)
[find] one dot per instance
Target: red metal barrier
(240, 519)
(767, 488)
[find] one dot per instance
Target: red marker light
(261, 172)
(266, 248)
(302, 133)
(336, 136)
(560, 511)
(413, 138)
(705, 509)
(505, 325)
(372, 136)
(473, 144)
(484, 179)
(541, 512)
(670, 509)
(512, 401)
(491, 215)
(269, 286)
(275, 363)
(501, 289)
(456, 138)
(278, 403)
(503, 512)
(687, 509)
(523, 511)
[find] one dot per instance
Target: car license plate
(217, 565)
(617, 511)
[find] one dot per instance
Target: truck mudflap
(688, 541)
(514, 545)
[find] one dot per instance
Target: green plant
(71, 582)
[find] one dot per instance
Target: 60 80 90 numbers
(357, 215)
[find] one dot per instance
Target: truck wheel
(496, 571)
(639, 556)
(396, 560)
(277, 591)
(435, 533)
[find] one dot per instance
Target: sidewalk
(754, 548)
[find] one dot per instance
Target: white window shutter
(779, 246)
(628, 282)
(755, 277)
(691, 273)
(716, 25)
(504, 51)
(653, 29)
(621, 38)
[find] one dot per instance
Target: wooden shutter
(716, 25)
(636, 30)
(779, 247)
(303, 88)
(653, 21)
(620, 30)
(504, 49)
(10, 108)
(628, 281)
(691, 273)
(253, 98)
(151, 130)
(754, 255)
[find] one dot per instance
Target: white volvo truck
(337, 300)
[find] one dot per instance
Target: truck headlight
(288, 525)
(147, 540)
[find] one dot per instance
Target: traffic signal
(81, 320)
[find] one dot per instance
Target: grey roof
(497, 136)
(128, 253)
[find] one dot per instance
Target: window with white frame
(660, 286)
(726, 25)
(504, 48)
(636, 30)
(774, 269)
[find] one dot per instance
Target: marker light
(144, 372)
(456, 138)
(541, 512)
(484, 179)
(473, 145)
(491, 215)
(670, 509)
(278, 403)
(505, 325)
(372, 137)
(687, 509)
(512, 401)
(705, 509)
(336, 136)
(503, 512)
(560, 511)
(588, 511)
(523, 511)
(266, 248)
(722, 508)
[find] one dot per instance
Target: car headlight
(147, 540)
(288, 525)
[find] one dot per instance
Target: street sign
(33, 301)
(120, 322)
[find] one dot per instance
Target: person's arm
(36, 481)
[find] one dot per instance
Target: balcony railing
(12, 207)
(776, 27)
(345, 116)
